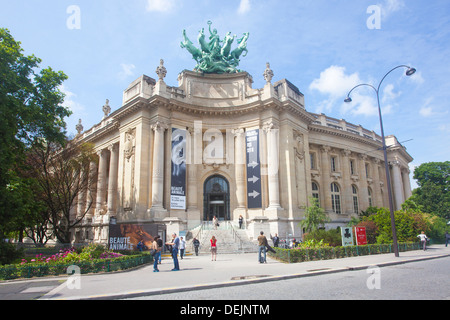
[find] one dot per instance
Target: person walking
(157, 248)
(160, 244)
(215, 222)
(262, 243)
(423, 240)
(213, 248)
(447, 238)
(241, 220)
(175, 246)
(196, 244)
(182, 247)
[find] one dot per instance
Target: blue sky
(324, 47)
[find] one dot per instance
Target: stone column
(347, 192)
(363, 185)
(239, 166)
(397, 182)
(90, 191)
(101, 182)
(158, 165)
(325, 172)
(273, 164)
(377, 200)
(113, 175)
(81, 196)
(406, 183)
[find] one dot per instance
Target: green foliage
(331, 237)
(315, 216)
(433, 193)
(31, 111)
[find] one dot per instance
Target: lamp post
(409, 72)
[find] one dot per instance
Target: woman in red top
(213, 248)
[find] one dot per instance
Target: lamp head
(410, 71)
(348, 100)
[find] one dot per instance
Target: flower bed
(90, 259)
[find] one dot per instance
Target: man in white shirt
(423, 239)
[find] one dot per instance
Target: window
(335, 198)
(315, 191)
(333, 164)
(367, 170)
(312, 158)
(355, 199)
(369, 192)
(352, 167)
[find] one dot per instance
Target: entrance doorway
(216, 198)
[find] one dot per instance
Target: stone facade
(302, 154)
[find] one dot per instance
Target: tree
(30, 110)
(315, 216)
(62, 174)
(433, 193)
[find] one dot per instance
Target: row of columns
(401, 185)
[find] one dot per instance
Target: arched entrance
(216, 198)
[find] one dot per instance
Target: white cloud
(160, 5)
(426, 111)
(69, 101)
(127, 70)
(334, 82)
(244, 6)
(391, 6)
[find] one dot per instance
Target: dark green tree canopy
(31, 112)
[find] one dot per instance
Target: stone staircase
(229, 239)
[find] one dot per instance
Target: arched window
(369, 192)
(335, 198)
(315, 191)
(355, 199)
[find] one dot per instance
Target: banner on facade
(347, 236)
(127, 236)
(254, 198)
(360, 234)
(178, 173)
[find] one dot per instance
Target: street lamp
(409, 72)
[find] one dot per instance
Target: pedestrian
(241, 220)
(275, 240)
(215, 222)
(196, 244)
(140, 246)
(423, 240)
(262, 243)
(157, 255)
(182, 247)
(175, 243)
(213, 248)
(160, 244)
(447, 238)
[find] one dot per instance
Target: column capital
(238, 132)
(159, 126)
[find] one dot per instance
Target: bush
(9, 253)
(332, 237)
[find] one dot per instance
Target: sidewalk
(229, 270)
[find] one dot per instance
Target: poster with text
(254, 198)
(178, 172)
(360, 234)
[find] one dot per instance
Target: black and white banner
(253, 170)
(178, 175)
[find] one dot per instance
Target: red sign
(361, 238)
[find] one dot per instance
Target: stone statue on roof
(215, 55)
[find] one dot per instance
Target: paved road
(423, 280)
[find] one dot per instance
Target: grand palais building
(175, 157)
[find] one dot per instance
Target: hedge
(30, 270)
(326, 253)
